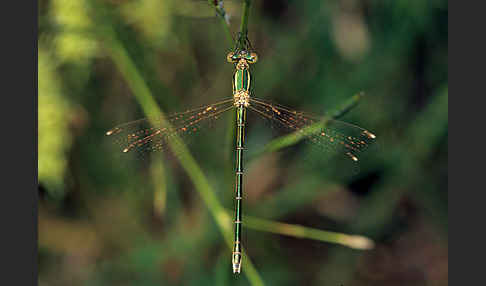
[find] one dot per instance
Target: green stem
(295, 137)
(241, 41)
(221, 12)
(352, 241)
(227, 31)
(223, 16)
(347, 106)
(160, 186)
(244, 17)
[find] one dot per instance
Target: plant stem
(221, 12)
(244, 17)
(352, 241)
(295, 137)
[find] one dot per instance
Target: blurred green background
(107, 218)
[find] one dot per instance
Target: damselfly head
(253, 58)
(235, 57)
(231, 58)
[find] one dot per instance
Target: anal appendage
(236, 262)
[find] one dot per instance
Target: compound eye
(253, 57)
(231, 57)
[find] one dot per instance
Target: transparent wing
(337, 135)
(151, 135)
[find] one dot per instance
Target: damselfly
(146, 135)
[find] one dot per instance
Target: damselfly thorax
(242, 77)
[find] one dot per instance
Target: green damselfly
(146, 135)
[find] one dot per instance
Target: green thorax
(241, 78)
